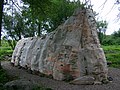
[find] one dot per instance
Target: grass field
(112, 54)
(5, 49)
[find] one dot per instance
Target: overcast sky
(108, 12)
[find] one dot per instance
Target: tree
(17, 26)
(37, 17)
(9, 32)
(116, 33)
(39, 11)
(113, 39)
(1, 12)
(50, 13)
(63, 10)
(101, 27)
(116, 36)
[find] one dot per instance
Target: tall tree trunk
(39, 29)
(1, 12)
(19, 33)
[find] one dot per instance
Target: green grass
(112, 47)
(112, 53)
(4, 43)
(5, 50)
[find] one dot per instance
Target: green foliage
(116, 37)
(116, 33)
(112, 53)
(113, 39)
(108, 40)
(101, 28)
(112, 48)
(39, 8)
(36, 17)
(5, 50)
(18, 27)
(102, 24)
(4, 53)
(50, 13)
(4, 43)
(60, 11)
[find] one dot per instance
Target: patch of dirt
(61, 85)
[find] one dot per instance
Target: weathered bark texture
(71, 51)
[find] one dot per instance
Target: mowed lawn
(112, 54)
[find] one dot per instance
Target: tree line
(37, 17)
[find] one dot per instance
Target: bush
(113, 39)
(108, 40)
